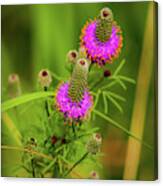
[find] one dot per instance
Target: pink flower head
(73, 110)
(97, 51)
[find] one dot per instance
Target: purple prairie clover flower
(102, 38)
(73, 98)
(70, 109)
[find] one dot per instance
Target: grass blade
(24, 99)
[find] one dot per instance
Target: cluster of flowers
(100, 43)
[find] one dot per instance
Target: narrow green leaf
(122, 84)
(49, 166)
(24, 99)
(117, 105)
(113, 94)
(97, 98)
(119, 67)
(105, 103)
(115, 81)
(116, 124)
(109, 85)
(128, 79)
(96, 102)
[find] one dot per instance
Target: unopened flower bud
(97, 137)
(53, 140)
(106, 13)
(94, 175)
(107, 73)
(14, 85)
(78, 82)
(93, 145)
(72, 56)
(63, 141)
(44, 78)
(33, 141)
(104, 25)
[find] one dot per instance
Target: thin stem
(79, 161)
(68, 165)
(90, 67)
(49, 166)
(33, 168)
(114, 123)
(56, 76)
(73, 129)
(46, 103)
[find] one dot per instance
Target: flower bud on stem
(104, 25)
(14, 85)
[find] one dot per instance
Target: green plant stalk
(140, 105)
(78, 162)
(46, 103)
(73, 129)
(33, 168)
(114, 123)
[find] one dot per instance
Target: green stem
(33, 168)
(78, 162)
(114, 123)
(48, 166)
(73, 129)
(46, 103)
(56, 76)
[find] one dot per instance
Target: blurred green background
(39, 36)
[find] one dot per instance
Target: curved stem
(79, 161)
(114, 123)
